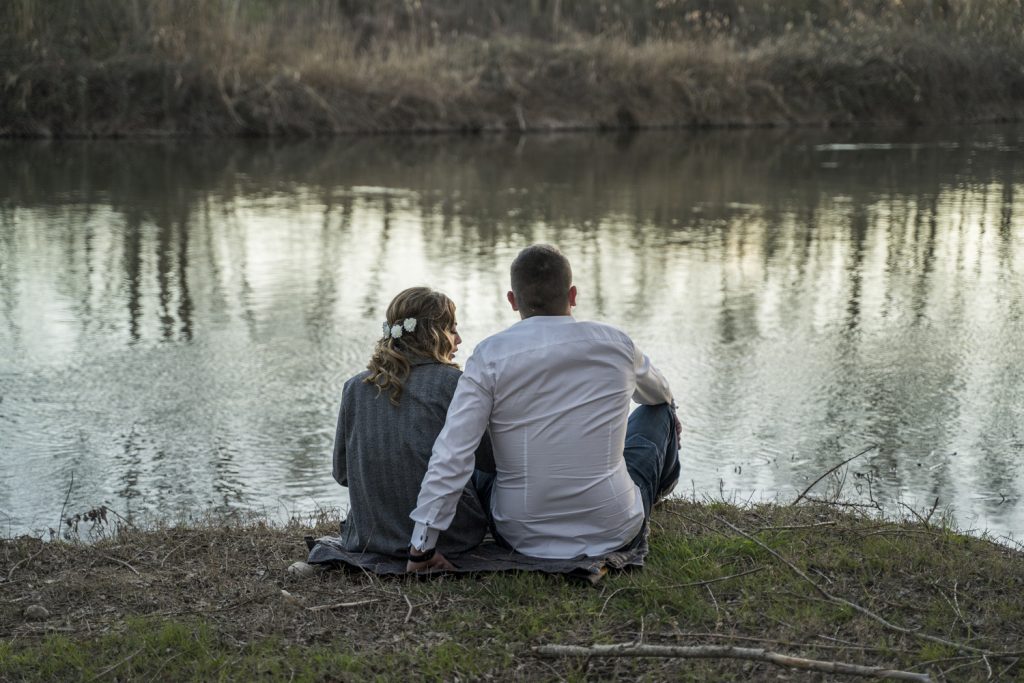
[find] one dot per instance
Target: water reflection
(177, 319)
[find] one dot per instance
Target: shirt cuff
(423, 537)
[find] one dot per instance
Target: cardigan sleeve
(340, 467)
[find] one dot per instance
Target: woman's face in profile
(453, 336)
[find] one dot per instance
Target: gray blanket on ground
(487, 557)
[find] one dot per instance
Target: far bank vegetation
(268, 67)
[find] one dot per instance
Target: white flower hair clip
(395, 331)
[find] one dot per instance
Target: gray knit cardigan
(381, 453)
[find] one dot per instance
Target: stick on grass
(341, 605)
(121, 562)
(728, 652)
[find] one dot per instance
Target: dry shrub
(208, 67)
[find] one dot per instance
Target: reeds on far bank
(266, 67)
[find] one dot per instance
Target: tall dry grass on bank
(266, 67)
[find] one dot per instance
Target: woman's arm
(340, 469)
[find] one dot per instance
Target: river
(178, 317)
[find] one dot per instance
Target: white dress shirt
(555, 394)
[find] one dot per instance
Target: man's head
(542, 282)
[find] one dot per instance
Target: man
(572, 478)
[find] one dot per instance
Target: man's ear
(572, 296)
(511, 296)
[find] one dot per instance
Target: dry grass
(202, 67)
(206, 602)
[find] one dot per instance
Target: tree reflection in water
(177, 318)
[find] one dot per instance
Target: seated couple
(534, 441)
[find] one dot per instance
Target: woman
(390, 416)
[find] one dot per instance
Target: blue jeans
(652, 452)
(652, 461)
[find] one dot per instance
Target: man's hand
(438, 561)
(679, 430)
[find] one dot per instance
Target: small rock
(301, 569)
(288, 597)
(37, 612)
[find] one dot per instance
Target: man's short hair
(541, 278)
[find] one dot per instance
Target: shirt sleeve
(651, 386)
(453, 456)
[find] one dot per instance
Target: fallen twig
(787, 643)
(1007, 668)
(17, 564)
(896, 531)
(114, 666)
(793, 527)
(842, 503)
(408, 615)
(708, 582)
(341, 605)
(120, 516)
(830, 471)
(155, 676)
(926, 521)
(171, 552)
(692, 584)
(718, 610)
(121, 562)
(727, 652)
(972, 661)
(222, 608)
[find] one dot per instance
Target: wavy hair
(433, 339)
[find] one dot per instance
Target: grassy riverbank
(209, 67)
(205, 602)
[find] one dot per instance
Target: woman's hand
(438, 561)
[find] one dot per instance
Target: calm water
(177, 319)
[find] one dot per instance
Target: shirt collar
(547, 320)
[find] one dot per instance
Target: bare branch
(341, 605)
(830, 471)
(17, 564)
(60, 522)
(408, 615)
(121, 562)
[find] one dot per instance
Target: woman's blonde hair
(433, 338)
